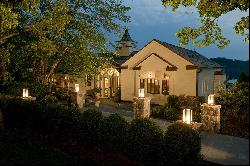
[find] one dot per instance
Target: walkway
(217, 148)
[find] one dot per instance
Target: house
(160, 68)
(163, 69)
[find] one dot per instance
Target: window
(165, 87)
(153, 86)
(205, 86)
(142, 83)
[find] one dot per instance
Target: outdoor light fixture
(65, 77)
(141, 93)
(150, 75)
(77, 87)
(210, 99)
(25, 93)
(187, 116)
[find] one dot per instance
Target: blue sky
(149, 20)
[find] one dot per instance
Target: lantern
(25, 93)
(141, 93)
(150, 75)
(77, 87)
(187, 116)
(210, 99)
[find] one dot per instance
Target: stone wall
(141, 107)
(210, 117)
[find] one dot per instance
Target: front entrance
(109, 82)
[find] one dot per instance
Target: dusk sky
(150, 19)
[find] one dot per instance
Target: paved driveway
(217, 148)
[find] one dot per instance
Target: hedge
(141, 139)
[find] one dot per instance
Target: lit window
(165, 87)
(142, 83)
(153, 86)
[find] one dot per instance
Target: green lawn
(21, 150)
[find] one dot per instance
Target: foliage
(13, 88)
(243, 78)
(114, 133)
(50, 119)
(68, 35)
(90, 127)
(145, 138)
(117, 96)
(235, 109)
(210, 12)
(172, 110)
(181, 144)
(20, 149)
(166, 112)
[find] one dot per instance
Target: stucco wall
(182, 81)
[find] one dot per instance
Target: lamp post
(25, 93)
(187, 115)
(77, 88)
(141, 93)
(210, 100)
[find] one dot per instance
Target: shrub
(172, 114)
(172, 100)
(181, 144)
(114, 133)
(145, 138)
(234, 109)
(194, 102)
(90, 127)
(16, 88)
(50, 119)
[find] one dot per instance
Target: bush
(50, 119)
(172, 101)
(181, 144)
(166, 112)
(234, 109)
(90, 127)
(145, 138)
(114, 133)
(16, 89)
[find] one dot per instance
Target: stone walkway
(217, 148)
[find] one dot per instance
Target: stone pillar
(210, 117)
(141, 107)
(80, 99)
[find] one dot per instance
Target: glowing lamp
(187, 116)
(141, 93)
(77, 87)
(210, 99)
(25, 93)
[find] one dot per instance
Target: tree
(243, 78)
(46, 35)
(210, 11)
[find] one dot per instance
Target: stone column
(80, 99)
(141, 107)
(210, 117)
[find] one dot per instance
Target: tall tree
(210, 11)
(71, 34)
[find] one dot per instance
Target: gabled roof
(122, 59)
(191, 56)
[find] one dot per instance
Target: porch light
(25, 93)
(210, 99)
(187, 116)
(77, 87)
(141, 93)
(65, 77)
(150, 75)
